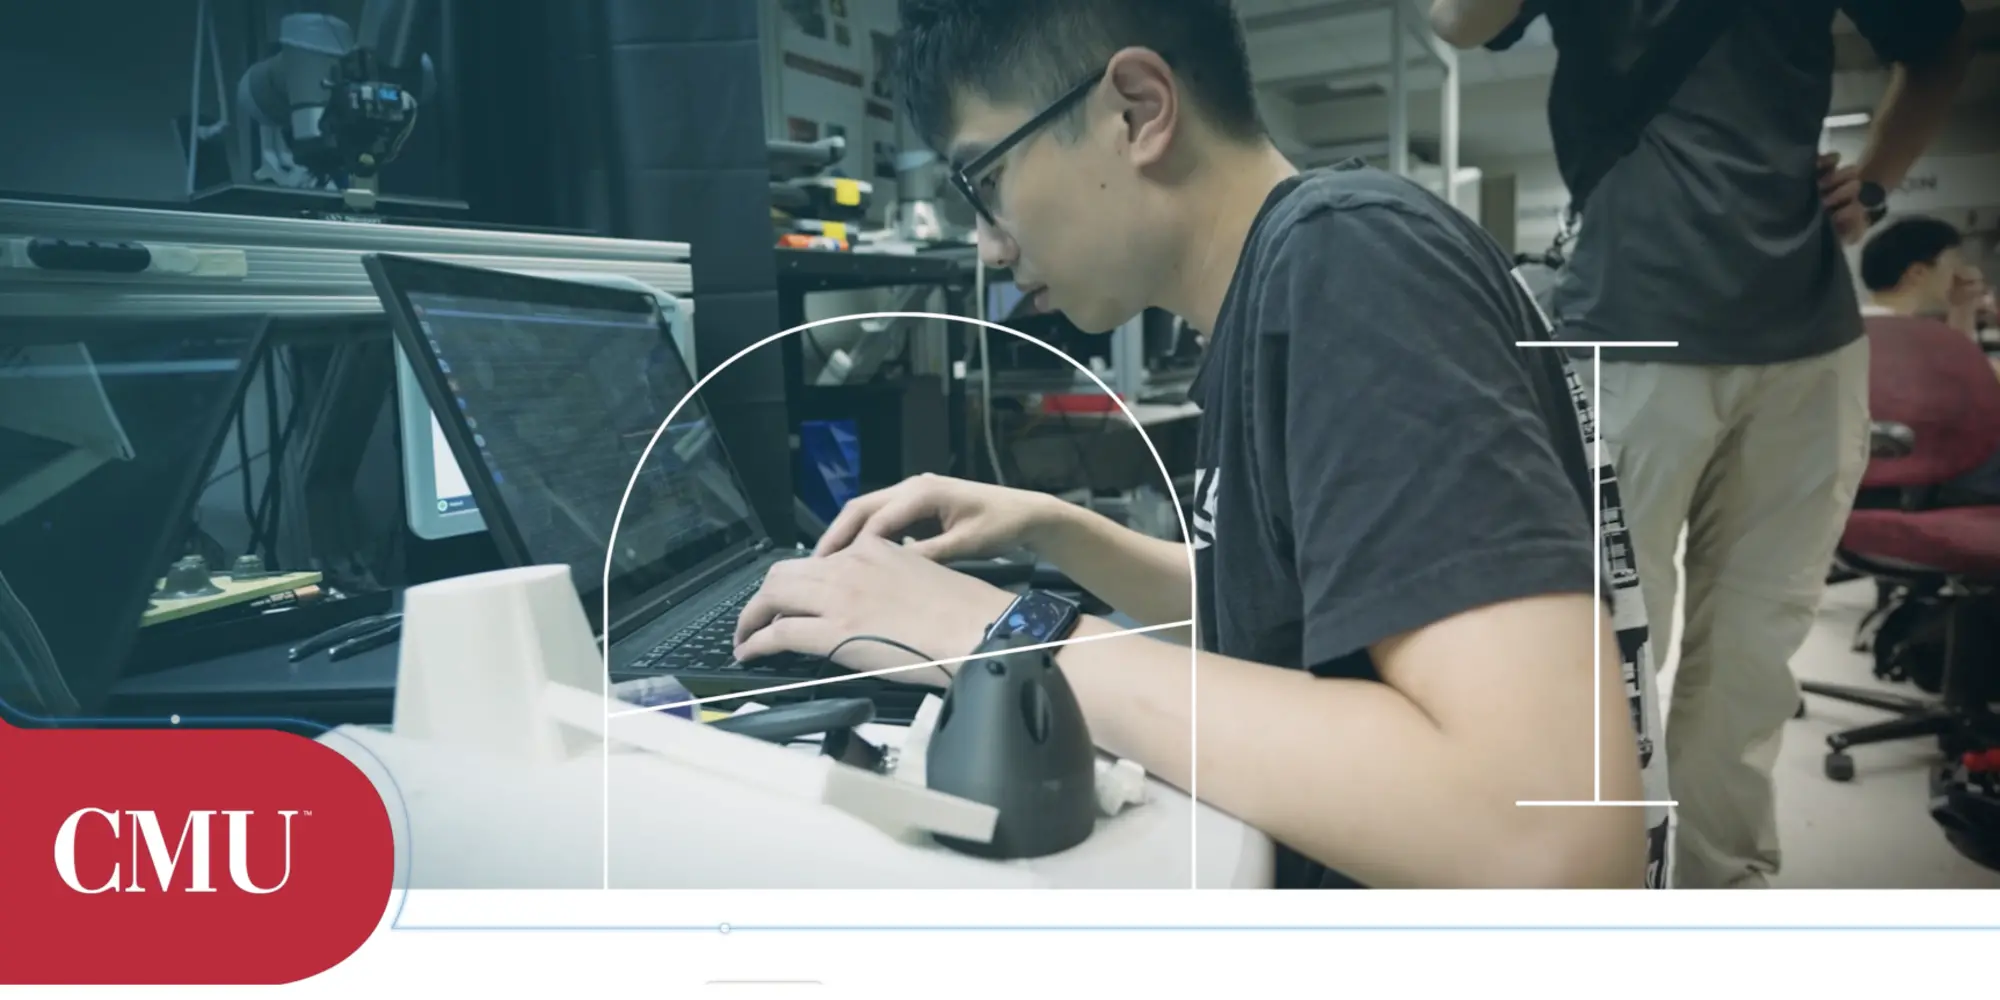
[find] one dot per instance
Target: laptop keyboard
(709, 644)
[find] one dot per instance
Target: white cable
(986, 378)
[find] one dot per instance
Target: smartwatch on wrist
(1040, 615)
(1874, 201)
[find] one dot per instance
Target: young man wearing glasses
(1398, 636)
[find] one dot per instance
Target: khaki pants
(1761, 465)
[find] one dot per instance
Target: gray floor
(1874, 832)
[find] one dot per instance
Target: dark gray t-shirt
(1376, 452)
(1711, 232)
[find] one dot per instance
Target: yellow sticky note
(836, 230)
(710, 715)
(846, 192)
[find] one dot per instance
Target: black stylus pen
(374, 640)
(341, 633)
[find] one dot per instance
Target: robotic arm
(333, 101)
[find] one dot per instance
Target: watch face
(1045, 617)
(1872, 195)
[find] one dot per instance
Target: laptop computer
(109, 431)
(548, 392)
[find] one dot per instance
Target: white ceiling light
(1855, 120)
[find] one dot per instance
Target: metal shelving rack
(1412, 46)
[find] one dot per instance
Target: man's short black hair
(1030, 52)
(1902, 245)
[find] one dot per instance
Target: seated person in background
(1916, 267)
(1395, 615)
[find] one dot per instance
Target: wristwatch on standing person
(1874, 201)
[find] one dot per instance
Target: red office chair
(1936, 412)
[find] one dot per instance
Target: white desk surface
(469, 821)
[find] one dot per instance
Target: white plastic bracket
(896, 807)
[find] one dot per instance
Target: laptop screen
(108, 427)
(559, 401)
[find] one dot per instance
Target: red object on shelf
(1079, 402)
(810, 241)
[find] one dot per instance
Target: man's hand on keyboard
(978, 520)
(873, 589)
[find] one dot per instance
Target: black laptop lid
(108, 430)
(549, 392)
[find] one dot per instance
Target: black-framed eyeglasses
(966, 177)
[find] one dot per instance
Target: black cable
(819, 690)
(243, 463)
(265, 536)
(268, 544)
(900, 364)
(255, 456)
(920, 654)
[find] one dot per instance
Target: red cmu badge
(168, 857)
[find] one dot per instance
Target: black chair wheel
(1800, 712)
(1839, 766)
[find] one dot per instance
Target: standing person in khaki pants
(1721, 230)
